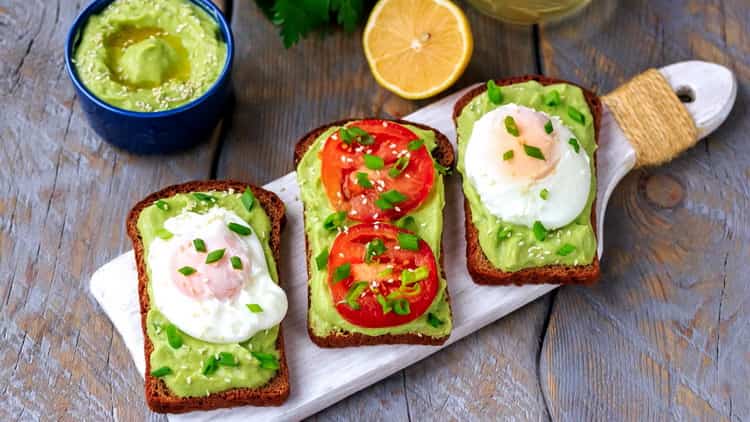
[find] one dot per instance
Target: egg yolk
(531, 132)
(218, 279)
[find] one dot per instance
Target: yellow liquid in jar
(527, 12)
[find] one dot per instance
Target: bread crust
(445, 156)
(158, 396)
(480, 268)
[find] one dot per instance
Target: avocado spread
(522, 249)
(149, 55)
(187, 362)
(323, 317)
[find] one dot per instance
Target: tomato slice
(383, 284)
(354, 187)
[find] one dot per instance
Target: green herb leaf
(203, 197)
(383, 204)
(507, 155)
(374, 248)
(385, 304)
(412, 276)
(544, 193)
(405, 222)
(254, 308)
(566, 249)
(163, 233)
(393, 196)
(297, 19)
(494, 92)
(352, 134)
(341, 272)
(227, 359)
(445, 171)
(433, 320)
(415, 144)
(334, 221)
(239, 229)
(408, 241)
(210, 365)
(200, 245)
(163, 371)
(504, 233)
(540, 232)
(236, 262)
(363, 180)
(548, 127)
(162, 205)
(551, 98)
(214, 256)
(248, 199)
(510, 125)
(399, 166)
(173, 336)
(574, 143)
(576, 115)
(322, 259)
(533, 152)
(401, 307)
(352, 295)
(186, 271)
(267, 360)
(373, 162)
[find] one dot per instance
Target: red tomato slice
(382, 276)
(344, 167)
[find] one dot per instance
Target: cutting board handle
(664, 112)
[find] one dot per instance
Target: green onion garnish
(551, 98)
(566, 249)
(507, 155)
(540, 232)
(210, 366)
(363, 180)
(186, 271)
(173, 336)
(227, 359)
(200, 245)
(445, 171)
(322, 259)
(163, 233)
(374, 248)
(412, 276)
(494, 92)
(576, 115)
(510, 125)
(386, 272)
(533, 152)
(399, 166)
(334, 221)
(239, 229)
(544, 193)
(415, 144)
(433, 320)
(248, 199)
(504, 233)
(408, 241)
(383, 204)
(574, 143)
(373, 162)
(405, 222)
(393, 196)
(214, 256)
(164, 370)
(548, 127)
(385, 305)
(355, 290)
(355, 134)
(401, 307)
(254, 308)
(203, 197)
(341, 272)
(162, 205)
(236, 262)
(267, 360)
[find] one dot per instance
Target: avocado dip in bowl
(153, 76)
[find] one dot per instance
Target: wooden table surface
(664, 335)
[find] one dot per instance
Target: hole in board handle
(685, 94)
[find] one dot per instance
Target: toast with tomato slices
(559, 271)
(373, 194)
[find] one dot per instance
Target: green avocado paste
(522, 249)
(150, 55)
(323, 317)
(254, 358)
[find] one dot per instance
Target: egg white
(211, 319)
(518, 200)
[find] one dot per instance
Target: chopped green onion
(236, 262)
(507, 155)
(415, 144)
(544, 193)
(374, 248)
(373, 162)
(393, 196)
(355, 290)
(401, 307)
(355, 134)
(267, 360)
(162, 205)
(227, 359)
(334, 221)
(551, 98)
(386, 272)
(399, 166)
(322, 259)
(383, 204)
(248, 199)
(239, 229)
(186, 271)
(574, 143)
(412, 276)
(341, 272)
(540, 232)
(433, 320)
(385, 304)
(210, 366)
(405, 222)
(576, 115)
(504, 233)
(533, 152)
(494, 92)
(173, 336)
(566, 249)
(163, 371)
(163, 233)
(200, 245)
(510, 125)
(203, 197)
(214, 256)
(548, 127)
(254, 308)
(363, 180)
(408, 241)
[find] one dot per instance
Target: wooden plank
(64, 195)
(663, 336)
(282, 94)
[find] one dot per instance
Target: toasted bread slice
(158, 396)
(481, 269)
(444, 155)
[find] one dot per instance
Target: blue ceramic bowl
(156, 132)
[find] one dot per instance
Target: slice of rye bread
(480, 268)
(445, 156)
(158, 396)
